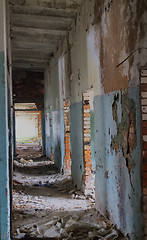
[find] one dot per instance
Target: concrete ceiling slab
(37, 27)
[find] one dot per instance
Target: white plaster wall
(26, 125)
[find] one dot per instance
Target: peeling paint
(126, 129)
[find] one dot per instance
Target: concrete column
(14, 134)
(43, 132)
(4, 144)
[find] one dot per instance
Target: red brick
(145, 167)
(144, 175)
(144, 87)
(86, 152)
(144, 145)
(86, 106)
(144, 124)
(87, 156)
(144, 182)
(144, 154)
(87, 159)
(87, 115)
(144, 131)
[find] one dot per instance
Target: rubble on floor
(72, 225)
(46, 205)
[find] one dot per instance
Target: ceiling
(37, 27)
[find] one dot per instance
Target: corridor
(73, 119)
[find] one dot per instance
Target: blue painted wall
(4, 167)
(118, 180)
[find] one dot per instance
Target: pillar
(67, 155)
(4, 143)
(87, 178)
(43, 132)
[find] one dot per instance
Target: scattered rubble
(46, 205)
(73, 225)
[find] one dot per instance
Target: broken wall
(105, 51)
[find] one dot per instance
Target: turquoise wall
(118, 161)
(116, 157)
(4, 163)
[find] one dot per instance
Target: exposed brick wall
(67, 156)
(87, 177)
(144, 145)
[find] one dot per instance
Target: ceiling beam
(32, 53)
(45, 11)
(39, 18)
(36, 32)
(29, 60)
(61, 4)
(29, 66)
(34, 21)
(31, 45)
(50, 40)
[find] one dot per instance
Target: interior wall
(54, 113)
(106, 57)
(98, 46)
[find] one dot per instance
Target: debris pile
(72, 226)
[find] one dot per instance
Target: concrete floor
(41, 195)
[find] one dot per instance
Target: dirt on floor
(46, 205)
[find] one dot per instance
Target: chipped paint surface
(126, 128)
(118, 180)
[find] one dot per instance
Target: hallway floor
(46, 205)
